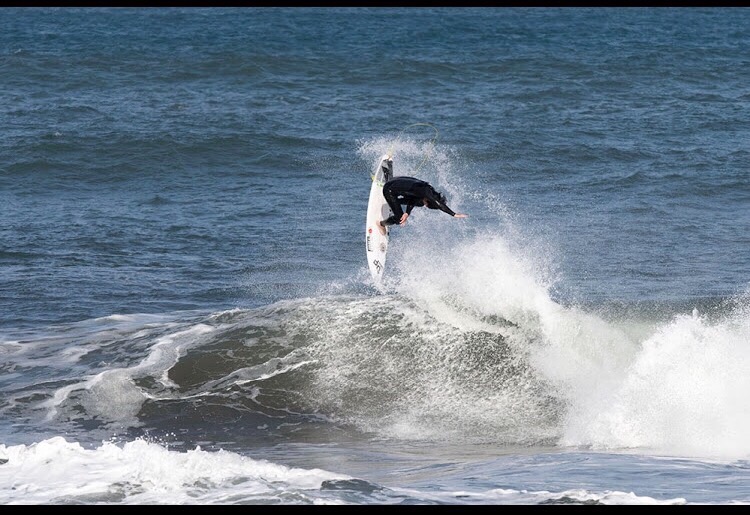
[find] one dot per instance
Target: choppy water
(186, 314)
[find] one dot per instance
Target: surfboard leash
(432, 142)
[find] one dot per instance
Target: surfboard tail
(383, 168)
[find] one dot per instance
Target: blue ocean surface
(186, 310)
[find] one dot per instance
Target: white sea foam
(139, 472)
(684, 394)
(59, 471)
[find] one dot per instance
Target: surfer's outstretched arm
(436, 201)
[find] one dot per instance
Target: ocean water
(186, 313)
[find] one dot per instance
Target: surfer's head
(433, 203)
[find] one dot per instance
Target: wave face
(504, 367)
(139, 397)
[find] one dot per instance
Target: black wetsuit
(410, 192)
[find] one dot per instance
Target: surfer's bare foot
(381, 228)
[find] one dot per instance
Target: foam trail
(112, 394)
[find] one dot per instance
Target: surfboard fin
(388, 170)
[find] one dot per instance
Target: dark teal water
(183, 194)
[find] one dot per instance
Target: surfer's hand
(403, 218)
(460, 215)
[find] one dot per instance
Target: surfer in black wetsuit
(412, 193)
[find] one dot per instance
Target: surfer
(412, 193)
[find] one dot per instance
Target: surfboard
(376, 243)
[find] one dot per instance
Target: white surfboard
(377, 210)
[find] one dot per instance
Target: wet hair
(432, 204)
